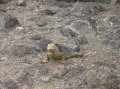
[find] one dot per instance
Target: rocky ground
(87, 26)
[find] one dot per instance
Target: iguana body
(54, 52)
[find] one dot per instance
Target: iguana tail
(75, 55)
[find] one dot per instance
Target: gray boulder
(10, 21)
(4, 1)
(112, 21)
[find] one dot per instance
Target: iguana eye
(50, 50)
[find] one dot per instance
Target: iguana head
(52, 48)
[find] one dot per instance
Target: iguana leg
(63, 60)
(45, 59)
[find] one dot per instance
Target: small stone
(21, 2)
(45, 79)
(4, 58)
(12, 41)
(59, 73)
(118, 75)
(81, 65)
(41, 23)
(98, 37)
(19, 28)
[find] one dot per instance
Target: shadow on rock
(24, 79)
(22, 50)
(46, 12)
(8, 21)
(113, 40)
(67, 0)
(11, 84)
(64, 48)
(4, 1)
(62, 4)
(89, 10)
(106, 65)
(112, 21)
(41, 44)
(97, 1)
(81, 40)
(68, 32)
(11, 21)
(113, 82)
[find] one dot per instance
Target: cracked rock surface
(87, 26)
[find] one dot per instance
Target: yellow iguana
(54, 52)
